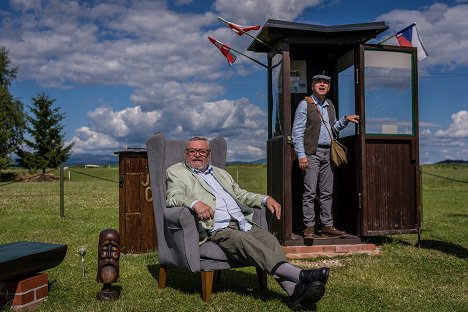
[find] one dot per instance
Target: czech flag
(409, 37)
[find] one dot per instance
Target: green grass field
(403, 277)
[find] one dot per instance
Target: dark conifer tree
(12, 117)
(46, 148)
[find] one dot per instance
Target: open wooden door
(278, 151)
(388, 140)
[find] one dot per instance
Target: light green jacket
(184, 187)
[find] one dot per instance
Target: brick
(42, 292)
(32, 282)
(310, 249)
(29, 306)
(23, 298)
(369, 247)
(329, 248)
(289, 249)
(348, 248)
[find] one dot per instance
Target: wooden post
(62, 209)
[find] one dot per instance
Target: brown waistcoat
(313, 124)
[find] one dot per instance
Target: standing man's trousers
(319, 172)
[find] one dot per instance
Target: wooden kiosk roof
(274, 30)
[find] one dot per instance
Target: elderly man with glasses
(225, 211)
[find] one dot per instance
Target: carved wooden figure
(108, 263)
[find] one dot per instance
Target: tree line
(37, 138)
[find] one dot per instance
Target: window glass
(277, 95)
(346, 95)
(388, 93)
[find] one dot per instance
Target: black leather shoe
(308, 276)
(311, 292)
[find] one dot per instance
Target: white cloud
(173, 69)
(127, 122)
(443, 29)
(241, 122)
(90, 141)
(256, 12)
(450, 143)
(458, 128)
(434, 149)
(142, 44)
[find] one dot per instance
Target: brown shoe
(309, 232)
(332, 231)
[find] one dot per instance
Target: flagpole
(250, 58)
(246, 33)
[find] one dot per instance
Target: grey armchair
(176, 226)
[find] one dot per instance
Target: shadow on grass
(457, 215)
(7, 176)
(382, 240)
(446, 247)
(237, 281)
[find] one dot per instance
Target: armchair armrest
(182, 239)
(259, 217)
(173, 216)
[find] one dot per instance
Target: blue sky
(121, 70)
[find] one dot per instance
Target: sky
(121, 70)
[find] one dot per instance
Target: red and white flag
(238, 29)
(225, 50)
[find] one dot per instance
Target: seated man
(225, 212)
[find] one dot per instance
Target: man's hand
(353, 118)
(274, 207)
(203, 211)
(303, 163)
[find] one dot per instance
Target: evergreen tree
(12, 117)
(47, 144)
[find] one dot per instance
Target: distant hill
(451, 162)
(88, 159)
(262, 161)
(104, 160)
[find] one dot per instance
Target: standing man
(311, 142)
(225, 211)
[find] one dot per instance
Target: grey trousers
(319, 172)
(256, 247)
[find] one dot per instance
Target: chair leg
(162, 276)
(262, 280)
(207, 284)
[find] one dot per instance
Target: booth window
(388, 93)
(346, 94)
(277, 95)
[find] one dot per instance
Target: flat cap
(321, 77)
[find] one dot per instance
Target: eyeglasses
(193, 151)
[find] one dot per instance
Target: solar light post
(82, 252)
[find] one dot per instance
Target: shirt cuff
(263, 204)
(343, 121)
(194, 202)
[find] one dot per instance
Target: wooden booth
(136, 217)
(378, 191)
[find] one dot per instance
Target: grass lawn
(403, 277)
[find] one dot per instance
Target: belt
(323, 146)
